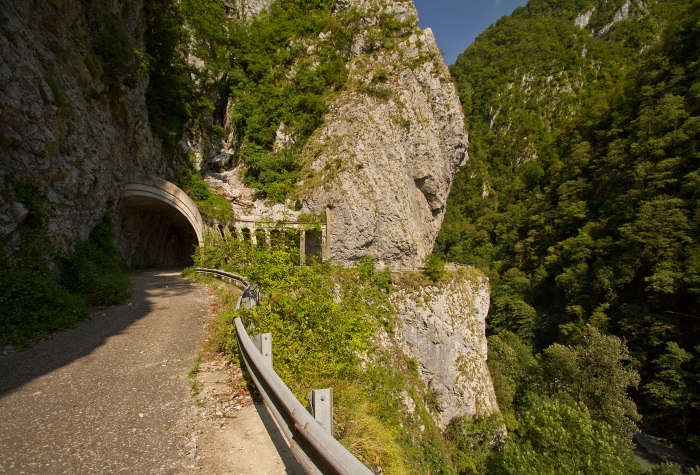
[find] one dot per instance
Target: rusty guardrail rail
(309, 436)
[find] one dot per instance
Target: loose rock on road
(112, 396)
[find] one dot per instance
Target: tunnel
(158, 225)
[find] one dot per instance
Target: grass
(195, 385)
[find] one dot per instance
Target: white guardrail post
(263, 343)
(321, 407)
(309, 435)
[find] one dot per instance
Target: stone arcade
(159, 225)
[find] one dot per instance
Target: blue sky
(456, 23)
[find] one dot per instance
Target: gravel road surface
(112, 395)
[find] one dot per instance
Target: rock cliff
(64, 122)
(245, 9)
(444, 328)
(382, 163)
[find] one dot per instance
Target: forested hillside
(581, 201)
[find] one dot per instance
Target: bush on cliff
(33, 300)
(325, 321)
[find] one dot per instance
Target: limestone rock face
(60, 125)
(383, 162)
(443, 328)
(246, 9)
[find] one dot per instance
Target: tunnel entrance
(158, 225)
(152, 233)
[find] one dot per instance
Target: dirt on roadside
(233, 435)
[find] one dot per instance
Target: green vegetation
(120, 59)
(179, 92)
(580, 202)
(33, 301)
(94, 269)
(195, 385)
(112, 56)
(434, 268)
(213, 205)
(324, 321)
(566, 407)
(562, 436)
(474, 441)
(278, 70)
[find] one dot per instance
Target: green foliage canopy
(581, 196)
(562, 438)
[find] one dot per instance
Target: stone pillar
(326, 236)
(253, 237)
(302, 247)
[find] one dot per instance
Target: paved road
(110, 396)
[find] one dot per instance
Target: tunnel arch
(159, 225)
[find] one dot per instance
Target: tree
(668, 391)
(593, 373)
(559, 438)
(511, 365)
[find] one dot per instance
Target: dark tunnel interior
(152, 233)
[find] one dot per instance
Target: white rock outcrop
(443, 327)
(383, 162)
(246, 9)
(626, 11)
(583, 19)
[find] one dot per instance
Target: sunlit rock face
(383, 162)
(443, 327)
(245, 9)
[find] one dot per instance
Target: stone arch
(159, 225)
(150, 187)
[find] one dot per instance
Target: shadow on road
(18, 369)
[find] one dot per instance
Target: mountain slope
(580, 195)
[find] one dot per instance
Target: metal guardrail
(226, 275)
(312, 444)
(251, 293)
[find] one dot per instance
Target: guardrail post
(321, 407)
(250, 297)
(263, 343)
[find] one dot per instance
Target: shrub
(32, 303)
(434, 268)
(213, 205)
(95, 271)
